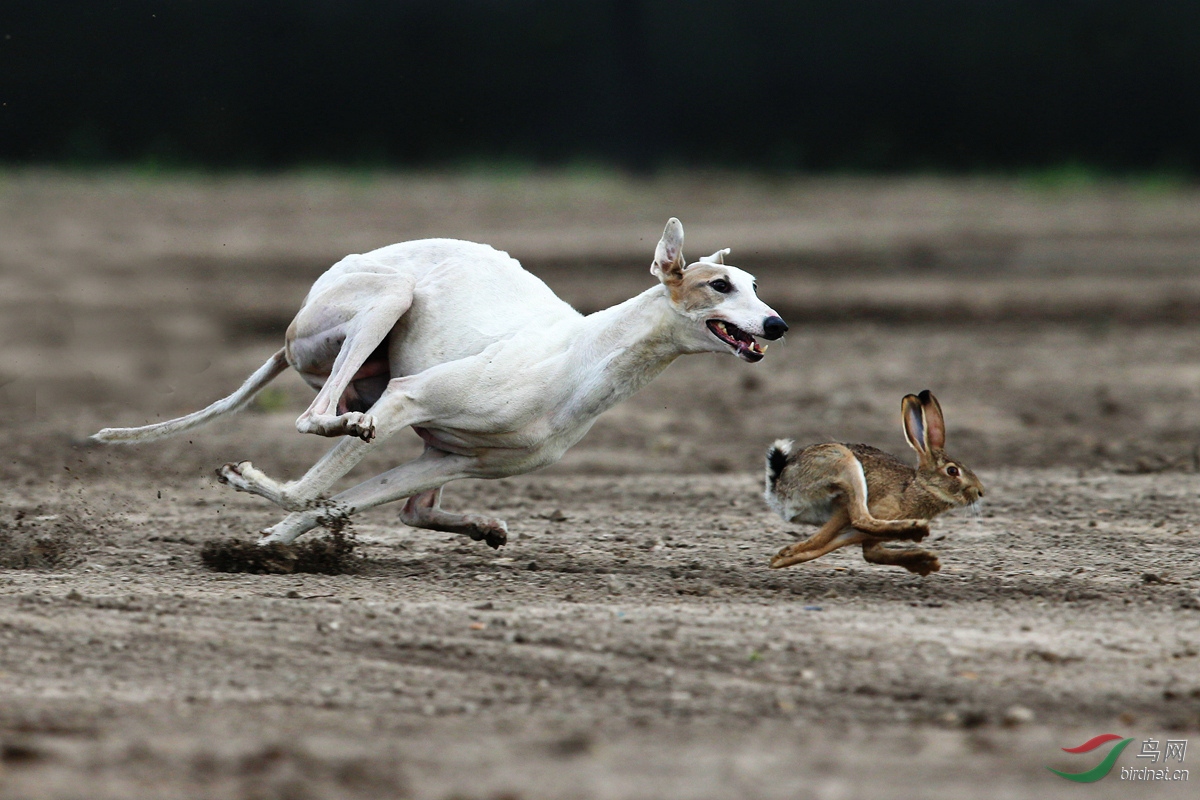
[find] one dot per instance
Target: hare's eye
(721, 285)
(952, 471)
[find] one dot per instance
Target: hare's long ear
(717, 257)
(935, 426)
(912, 412)
(668, 256)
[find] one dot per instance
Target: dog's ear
(668, 256)
(717, 257)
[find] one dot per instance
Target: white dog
(495, 372)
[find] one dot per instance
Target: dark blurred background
(860, 85)
(995, 199)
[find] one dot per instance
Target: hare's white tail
(777, 457)
(227, 405)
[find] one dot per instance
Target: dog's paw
(360, 425)
(494, 533)
(352, 423)
(233, 475)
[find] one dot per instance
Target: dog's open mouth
(742, 343)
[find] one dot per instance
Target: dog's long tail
(227, 405)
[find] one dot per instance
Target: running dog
(491, 369)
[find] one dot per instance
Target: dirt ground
(630, 641)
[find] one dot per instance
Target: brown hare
(858, 494)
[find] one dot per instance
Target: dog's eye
(721, 285)
(952, 471)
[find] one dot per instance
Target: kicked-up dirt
(629, 641)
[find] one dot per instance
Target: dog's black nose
(774, 327)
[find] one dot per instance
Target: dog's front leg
(245, 477)
(394, 411)
(432, 470)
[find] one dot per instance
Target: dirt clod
(326, 555)
(25, 545)
(19, 753)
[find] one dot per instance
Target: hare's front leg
(835, 533)
(915, 560)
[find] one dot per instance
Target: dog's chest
(502, 453)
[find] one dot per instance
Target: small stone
(1018, 715)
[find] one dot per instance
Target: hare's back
(810, 482)
(879, 464)
(888, 480)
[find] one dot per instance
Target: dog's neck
(621, 349)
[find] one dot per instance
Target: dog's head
(720, 300)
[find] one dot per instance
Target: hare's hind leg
(851, 522)
(835, 533)
(915, 560)
(853, 484)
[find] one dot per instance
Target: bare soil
(629, 641)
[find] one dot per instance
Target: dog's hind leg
(345, 324)
(424, 511)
